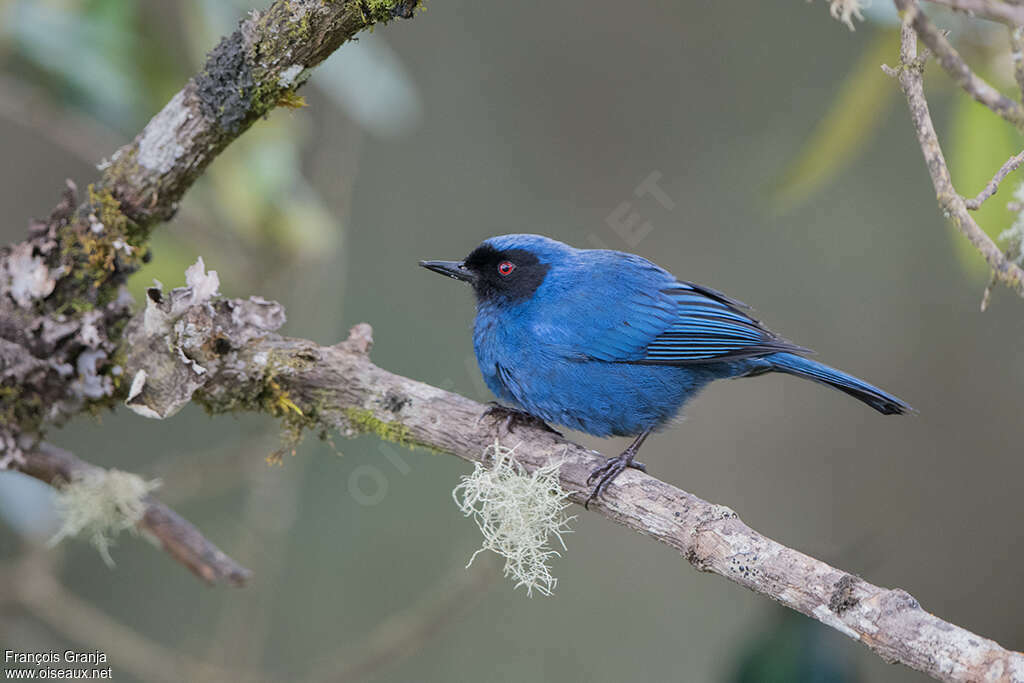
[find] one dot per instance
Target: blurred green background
(797, 186)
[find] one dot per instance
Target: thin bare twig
(987, 9)
(910, 77)
(177, 536)
(954, 65)
(1011, 165)
(1017, 55)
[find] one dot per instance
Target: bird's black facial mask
(512, 275)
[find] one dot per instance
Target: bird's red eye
(506, 267)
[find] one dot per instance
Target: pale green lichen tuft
(517, 513)
(846, 11)
(99, 505)
(1014, 235)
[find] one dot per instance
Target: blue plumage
(609, 343)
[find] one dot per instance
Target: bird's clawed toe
(513, 418)
(606, 473)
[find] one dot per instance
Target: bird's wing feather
(710, 326)
(642, 314)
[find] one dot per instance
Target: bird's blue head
(506, 268)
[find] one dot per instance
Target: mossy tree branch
(63, 307)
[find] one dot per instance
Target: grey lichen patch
(290, 75)
(100, 504)
(26, 277)
(518, 514)
(226, 84)
(714, 513)
(89, 383)
(159, 146)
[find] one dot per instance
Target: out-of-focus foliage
(84, 52)
(795, 650)
(853, 116)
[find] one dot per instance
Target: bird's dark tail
(887, 404)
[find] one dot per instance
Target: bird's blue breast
(564, 387)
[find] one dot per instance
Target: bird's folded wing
(644, 315)
(710, 326)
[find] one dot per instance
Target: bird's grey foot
(606, 473)
(513, 418)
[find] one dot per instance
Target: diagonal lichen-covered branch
(246, 366)
(62, 306)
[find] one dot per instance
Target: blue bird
(609, 343)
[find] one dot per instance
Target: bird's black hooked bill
(453, 269)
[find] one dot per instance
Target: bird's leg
(514, 418)
(606, 473)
